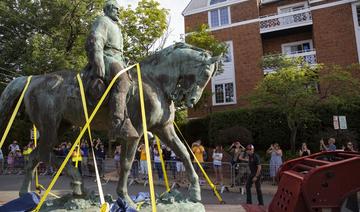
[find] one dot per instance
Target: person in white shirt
(14, 146)
(217, 158)
(157, 162)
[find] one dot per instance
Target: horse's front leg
(170, 138)
(128, 150)
(29, 171)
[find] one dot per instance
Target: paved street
(9, 185)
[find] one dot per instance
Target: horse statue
(173, 76)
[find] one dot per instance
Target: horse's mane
(154, 59)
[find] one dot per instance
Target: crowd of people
(245, 163)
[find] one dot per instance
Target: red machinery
(319, 182)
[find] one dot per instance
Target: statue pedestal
(176, 207)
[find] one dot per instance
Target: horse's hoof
(77, 188)
(127, 199)
(195, 193)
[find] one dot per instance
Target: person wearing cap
(254, 177)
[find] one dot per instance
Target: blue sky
(177, 20)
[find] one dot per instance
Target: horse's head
(197, 67)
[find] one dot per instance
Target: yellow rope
(12, 118)
(148, 159)
(52, 183)
(162, 164)
(201, 168)
(104, 205)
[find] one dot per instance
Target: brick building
(321, 31)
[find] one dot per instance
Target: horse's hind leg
(29, 171)
(169, 137)
(128, 150)
(77, 182)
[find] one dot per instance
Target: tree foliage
(143, 26)
(202, 38)
(44, 36)
(340, 86)
(291, 88)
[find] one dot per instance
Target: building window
(224, 93)
(223, 84)
(219, 17)
(216, 1)
(297, 47)
(292, 7)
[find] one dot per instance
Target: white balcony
(287, 20)
(309, 56)
(267, 1)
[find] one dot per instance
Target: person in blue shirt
(330, 147)
(84, 147)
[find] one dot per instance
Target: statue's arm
(97, 42)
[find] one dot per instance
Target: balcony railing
(309, 56)
(287, 20)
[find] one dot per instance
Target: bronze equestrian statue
(174, 76)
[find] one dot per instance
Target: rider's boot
(121, 124)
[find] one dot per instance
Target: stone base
(68, 202)
(176, 207)
(173, 201)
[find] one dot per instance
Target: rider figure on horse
(104, 47)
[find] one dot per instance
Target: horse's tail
(8, 100)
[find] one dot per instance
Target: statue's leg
(128, 150)
(77, 181)
(169, 137)
(121, 124)
(29, 172)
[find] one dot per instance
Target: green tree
(143, 26)
(202, 38)
(44, 36)
(340, 86)
(291, 89)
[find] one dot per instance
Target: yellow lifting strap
(38, 186)
(12, 118)
(201, 168)
(148, 159)
(61, 168)
(104, 205)
(162, 164)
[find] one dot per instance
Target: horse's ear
(215, 59)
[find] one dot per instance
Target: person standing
(304, 151)
(84, 147)
(217, 163)
(1, 162)
(275, 160)
(143, 163)
(198, 151)
(100, 156)
(236, 149)
(157, 162)
(349, 147)
(254, 177)
(14, 146)
(117, 159)
(331, 145)
(76, 157)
